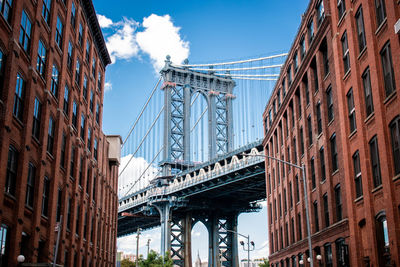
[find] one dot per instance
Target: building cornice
(95, 29)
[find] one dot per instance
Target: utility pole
(148, 247)
(137, 247)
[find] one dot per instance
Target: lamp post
(148, 247)
(137, 247)
(248, 245)
(303, 174)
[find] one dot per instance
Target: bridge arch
(200, 241)
(199, 133)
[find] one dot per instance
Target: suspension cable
(142, 141)
(141, 113)
(201, 116)
(240, 69)
(148, 166)
(234, 62)
(250, 75)
(255, 79)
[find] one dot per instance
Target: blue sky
(208, 31)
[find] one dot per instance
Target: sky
(139, 35)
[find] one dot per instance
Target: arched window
(382, 239)
(395, 136)
(342, 252)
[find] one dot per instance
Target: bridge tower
(180, 84)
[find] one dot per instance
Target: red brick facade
(50, 167)
(339, 115)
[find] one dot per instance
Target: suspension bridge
(191, 155)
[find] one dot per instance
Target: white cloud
(136, 176)
(161, 38)
(104, 21)
(107, 86)
(122, 44)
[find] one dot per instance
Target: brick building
(335, 109)
(56, 165)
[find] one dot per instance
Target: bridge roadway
(215, 193)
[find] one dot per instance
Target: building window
(387, 67)
(66, 100)
(314, 69)
(369, 104)
(74, 114)
(290, 195)
(83, 127)
(342, 257)
(375, 165)
(322, 163)
(306, 89)
(289, 75)
(95, 148)
(338, 203)
(5, 244)
(301, 141)
(295, 62)
(89, 139)
(316, 218)
(12, 167)
(299, 225)
(357, 174)
(54, 81)
(41, 59)
(30, 185)
(345, 51)
(36, 118)
(2, 62)
(283, 88)
(6, 9)
(382, 238)
(310, 31)
(328, 255)
(360, 29)
(85, 86)
(380, 11)
(99, 82)
(284, 200)
(72, 165)
(326, 209)
(341, 8)
(19, 97)
(45, 196)
(309, 125)
(78, 218)
(87, 51)
(294, 150)
(58, 208)
(298, 97)
(302, 47)
(97, 113)
(46, 10)
(77, 71)
(320, 12)
(25, 32)
(73, 15)
(297, 189)
(59, 32)
(63, 150)
(91, 102)
(352, 110)
(395, 137)
(292, 230)
(80, 36)
(334, 153)
(329, 101)
(94, 66)
(319, 119)
(50, 136)
(325, 58)
(312, 165)
(280, 205)
(69, 59)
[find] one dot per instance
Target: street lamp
(248, 245)
(20, 259)
(303, 174)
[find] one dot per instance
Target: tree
(127, 263)
(265, 263)
(155, 260)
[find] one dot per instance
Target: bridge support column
(181, 248)
(164, 210)
(223, 248)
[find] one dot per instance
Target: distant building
(253, 263)
(335, 109)
(56, 165)
(198, 262)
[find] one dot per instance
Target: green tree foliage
(127, 263)
(265, 263)
(155, 260)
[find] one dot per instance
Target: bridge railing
(188, 180)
